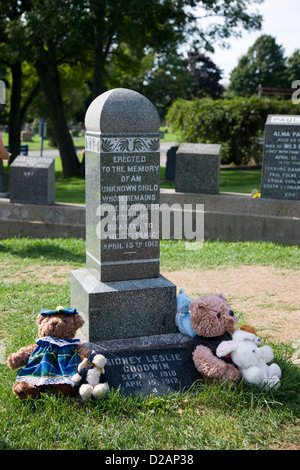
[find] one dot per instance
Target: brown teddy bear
(212, 320)
(53, 359)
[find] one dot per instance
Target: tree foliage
(50, 33)
(264, 64)
(235, 123)
(206, 75)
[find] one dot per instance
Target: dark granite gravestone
(281, 160)
(171, 163)
(155, 372)
(4, 179)
(198, 168)
(32, 180)
(121, 294)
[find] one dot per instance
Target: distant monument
(281, 160)
(32, 180)
(198, 168)
(121, 293)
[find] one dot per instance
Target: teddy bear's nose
(231, 312)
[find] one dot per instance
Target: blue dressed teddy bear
(182, 318)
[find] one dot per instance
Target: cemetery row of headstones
(195, 168)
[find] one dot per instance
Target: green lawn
(213, 418)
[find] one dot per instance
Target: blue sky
(281, 20)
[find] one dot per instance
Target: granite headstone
(4, 179)
(121, 293)
(281, 159)
(171, 163)
(155, 371)
(32, 180)
(198, 168)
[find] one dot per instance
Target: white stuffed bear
(251, 359)
(91, 376)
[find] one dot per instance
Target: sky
(281, 19)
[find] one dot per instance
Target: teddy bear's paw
(271, 383)
(233, 374)
(24, 390)
(86, 391)
(76, 378)
(274, 369)
(100, 390)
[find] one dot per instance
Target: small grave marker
(32, 180)
(198, 168)
(155, 371)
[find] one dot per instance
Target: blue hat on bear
(68, 311)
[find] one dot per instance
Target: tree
(54, 31)
(12, 57)
(293, 67)
(49, 33)
(159, 26)
(263, 64)
(206, 75)
(167, 80)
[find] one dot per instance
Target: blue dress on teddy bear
(183, 318)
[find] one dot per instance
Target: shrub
(235, 123)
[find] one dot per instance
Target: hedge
(235, 123)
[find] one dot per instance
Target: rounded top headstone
(122, 111)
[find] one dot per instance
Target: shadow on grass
(62, 250)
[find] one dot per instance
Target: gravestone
(4, 179)
(281, 159)
(198, 168)
(155, 371)
(121, 293)
(171, 163)
(32, 180)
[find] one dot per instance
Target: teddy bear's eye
(218, 315)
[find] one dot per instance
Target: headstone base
(123, 309)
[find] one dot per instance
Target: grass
(72, 190)
(212, 418)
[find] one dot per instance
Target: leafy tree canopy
(263, 64)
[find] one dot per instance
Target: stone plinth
(123, 309)
(32, 180)
(198, 168)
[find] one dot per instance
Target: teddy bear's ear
(39, 319)
(78, 321)
(196, 305)
(199, 303)
(222, 297)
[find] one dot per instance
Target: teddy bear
(251, 359)
(53, 359)
(212, 319)
(91, 376)
(183, 318)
